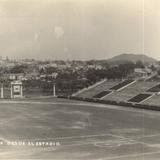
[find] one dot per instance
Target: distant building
(142, 72)
(14, 76)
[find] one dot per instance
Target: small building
(142, 72)
(14, 76)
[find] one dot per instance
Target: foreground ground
(77, 131)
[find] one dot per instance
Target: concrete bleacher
(103, 91)
(154, 100)
(102, 94)
(122, 85)
(155, 89)
(92, 91)
(140, 98)
(130, 91)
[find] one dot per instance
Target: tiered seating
(155, 88)
(140, 97)
(91, 92)
(155, 78)
(121, 85)
(144, 89)
(130, 91)
(154, 100)
(102, 94)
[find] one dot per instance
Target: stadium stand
(92, 91)
(144, 92)
(155, 78)
(140, 98)
(130, 91)
(102, 94)
(154, 89)
(121, 85)
(154, 100)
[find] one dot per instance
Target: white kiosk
(16, 89)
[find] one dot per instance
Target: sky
(79, 29)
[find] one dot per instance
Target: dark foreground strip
(125, 104)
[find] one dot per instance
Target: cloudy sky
(79, 29)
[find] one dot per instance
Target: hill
(132, 57)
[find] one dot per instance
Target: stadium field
(61, 129)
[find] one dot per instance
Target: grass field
(81, 131)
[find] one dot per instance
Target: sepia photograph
(79, 79)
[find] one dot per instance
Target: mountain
(132, 57)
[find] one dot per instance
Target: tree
(19, 69)
(139, 64)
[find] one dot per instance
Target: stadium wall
(125, 104)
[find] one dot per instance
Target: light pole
(54, 76)
(2, 92)
(2, 80)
